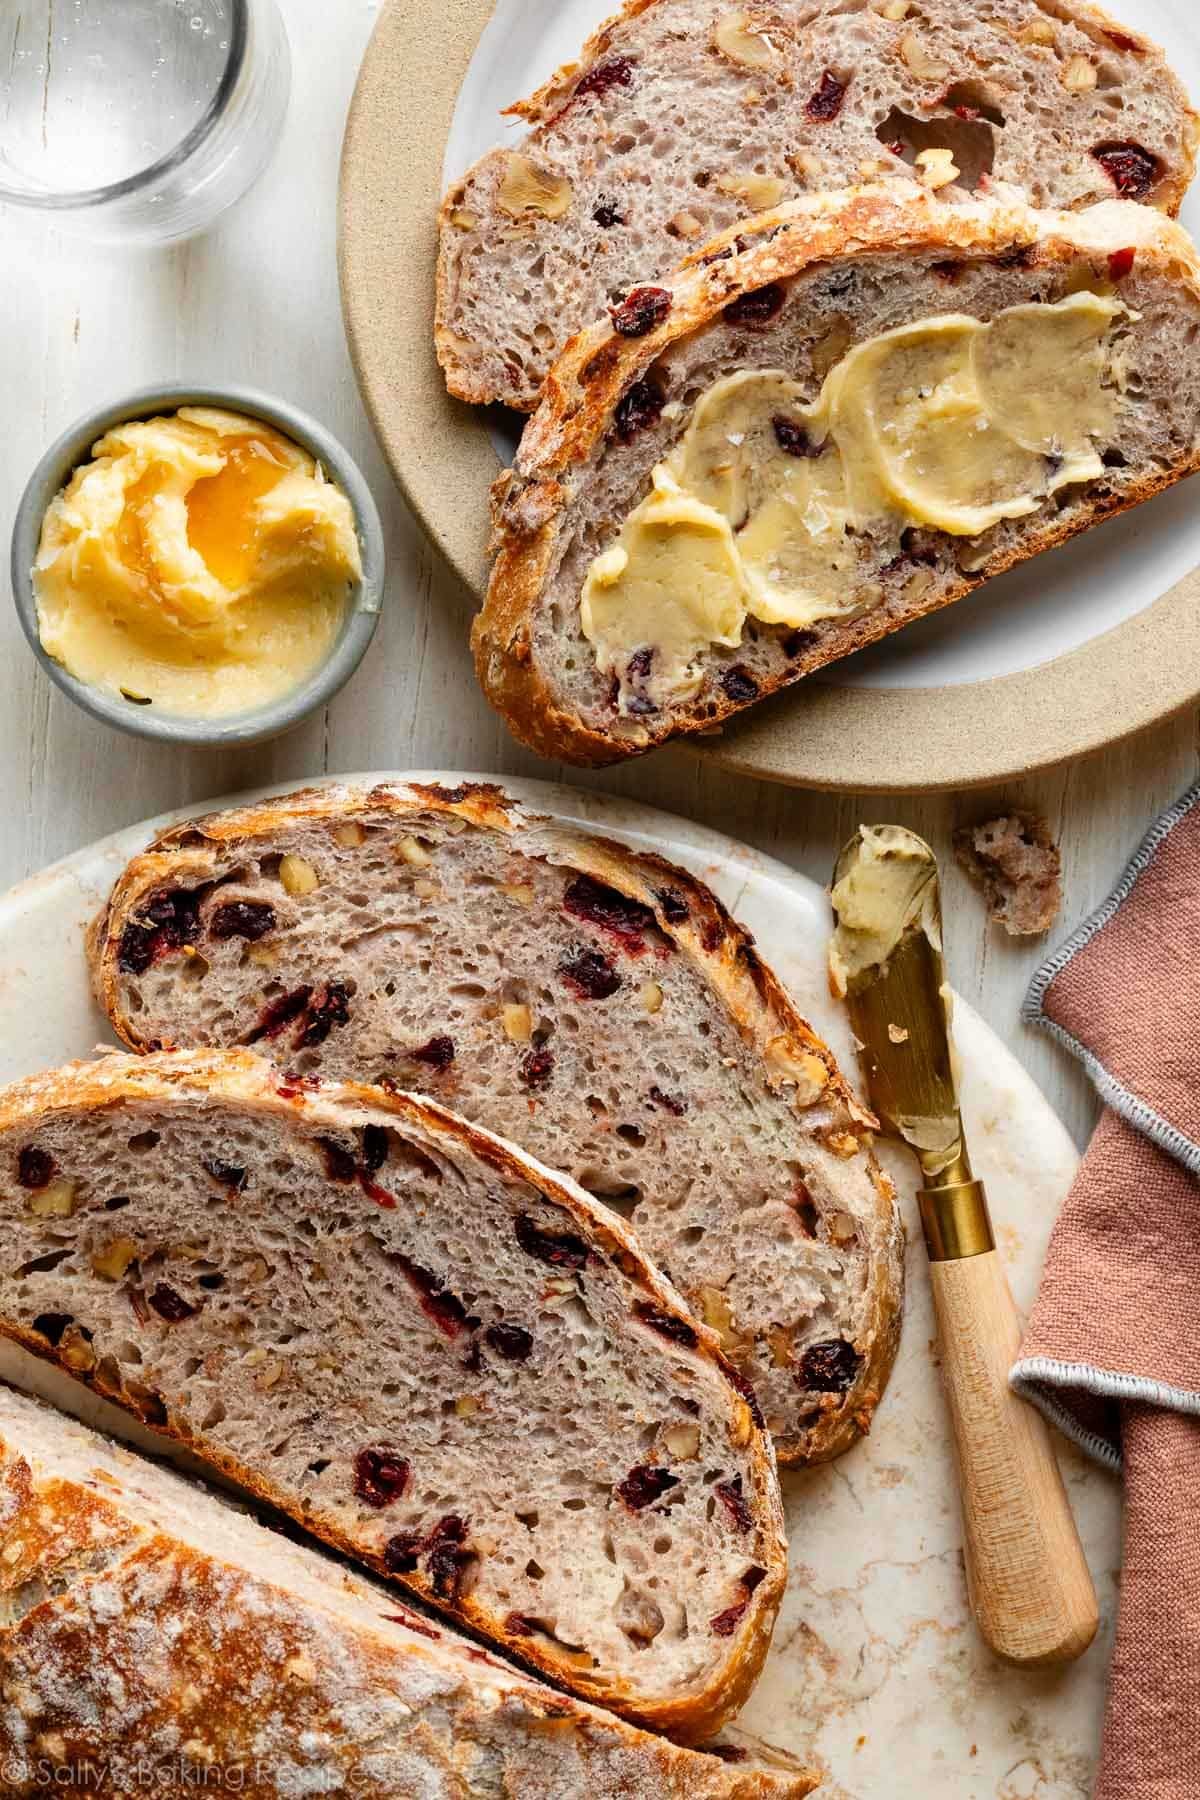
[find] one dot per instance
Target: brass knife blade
(886, 960)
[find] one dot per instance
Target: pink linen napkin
(1112, 1351)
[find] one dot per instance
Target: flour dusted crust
(772, 1037)
(147, 1624)
(882, 230)
(653, 127)
(239, 1093)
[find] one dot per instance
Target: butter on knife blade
(885, 961)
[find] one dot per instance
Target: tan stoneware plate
(883, 739)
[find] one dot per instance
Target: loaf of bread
(822, 429)
(155, 1638)
(597, 1005)
(416, 1342)
(682, 117)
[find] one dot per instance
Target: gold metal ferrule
(956, 1221)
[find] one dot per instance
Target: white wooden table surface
(256, 301)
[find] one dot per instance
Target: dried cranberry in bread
(683, 117)
(597, 1005)
(118, 1579)
(814, 291)
(418, 1343)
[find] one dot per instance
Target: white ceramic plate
(1030, 616)
(876, 1667)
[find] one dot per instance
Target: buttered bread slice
(831, 423)
(597, 1005)
(682, 118)
(417, 1343)
(153, 1637)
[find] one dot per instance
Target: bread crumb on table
(1017, 865)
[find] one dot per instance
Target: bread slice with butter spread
(683, 117)
(154, 1637)
(824, 426)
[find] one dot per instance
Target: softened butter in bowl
(201, 564)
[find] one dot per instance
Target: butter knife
(1027, 1578)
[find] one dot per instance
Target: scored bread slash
(411, 1260)
(653, 577)
(681, 119)
(151, 1625)
(597, 1005)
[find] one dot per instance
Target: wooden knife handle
(1028, 1581)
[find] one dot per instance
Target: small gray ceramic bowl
(362, 615)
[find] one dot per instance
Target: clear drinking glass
(138, 120)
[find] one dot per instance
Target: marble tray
(876, 1667)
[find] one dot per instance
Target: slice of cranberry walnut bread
(417, 1342)
(833, 423)
(683, 117)
(596, 1005)
(302, 1678)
